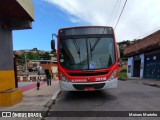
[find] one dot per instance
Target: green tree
(20, 59)
(34, 49)
(45, 56)
(32, 56)
(121, 48)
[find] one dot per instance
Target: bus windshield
(87, 53)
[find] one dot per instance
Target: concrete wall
(142, 65)
(7, 78)
(130, 67)
(27, 6)
(14, 14)
(30, 78)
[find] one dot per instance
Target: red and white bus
(87, 58)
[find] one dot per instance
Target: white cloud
(139, 16)
(74, 20)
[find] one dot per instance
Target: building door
(152, 65)
(136, 68)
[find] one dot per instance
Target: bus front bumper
(69, 86)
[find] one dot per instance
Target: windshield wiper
(77, 48)
(110, 60)
(95, 44)
(90, 49)
(97, 41)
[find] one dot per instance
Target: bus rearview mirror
(53, 45)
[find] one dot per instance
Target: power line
(116, 11)
(120, 14)
(147, 33)
(98, 39)
(113, 12)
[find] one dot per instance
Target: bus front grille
(83, 86)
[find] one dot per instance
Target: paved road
(129, 96)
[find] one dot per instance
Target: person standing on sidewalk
(48, 77)
(38, 83)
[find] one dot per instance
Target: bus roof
(85, 30)
(72, 27)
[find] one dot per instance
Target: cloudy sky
(139, 19)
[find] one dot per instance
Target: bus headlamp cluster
(113, 75)
(63, 78)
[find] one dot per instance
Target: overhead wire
(147, 33)
(115, 12)
(120, 14)
(112, 14)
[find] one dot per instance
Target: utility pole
(26, 63)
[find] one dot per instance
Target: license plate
(89, 89)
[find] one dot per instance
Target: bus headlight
(113, 75)
(63, 78)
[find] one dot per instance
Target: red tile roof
(148, 43)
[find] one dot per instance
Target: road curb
(48, 105)
(152, 84)
(56, 94)
(158, 85)
(122, 79)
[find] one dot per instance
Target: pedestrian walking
(38, 83)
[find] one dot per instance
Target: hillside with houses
(31, 64)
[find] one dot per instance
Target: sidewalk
(31, 86)
(36, 100)
(150, 82)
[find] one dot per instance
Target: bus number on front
(101, 79)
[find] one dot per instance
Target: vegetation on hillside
(122, 75)
(33, 54)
